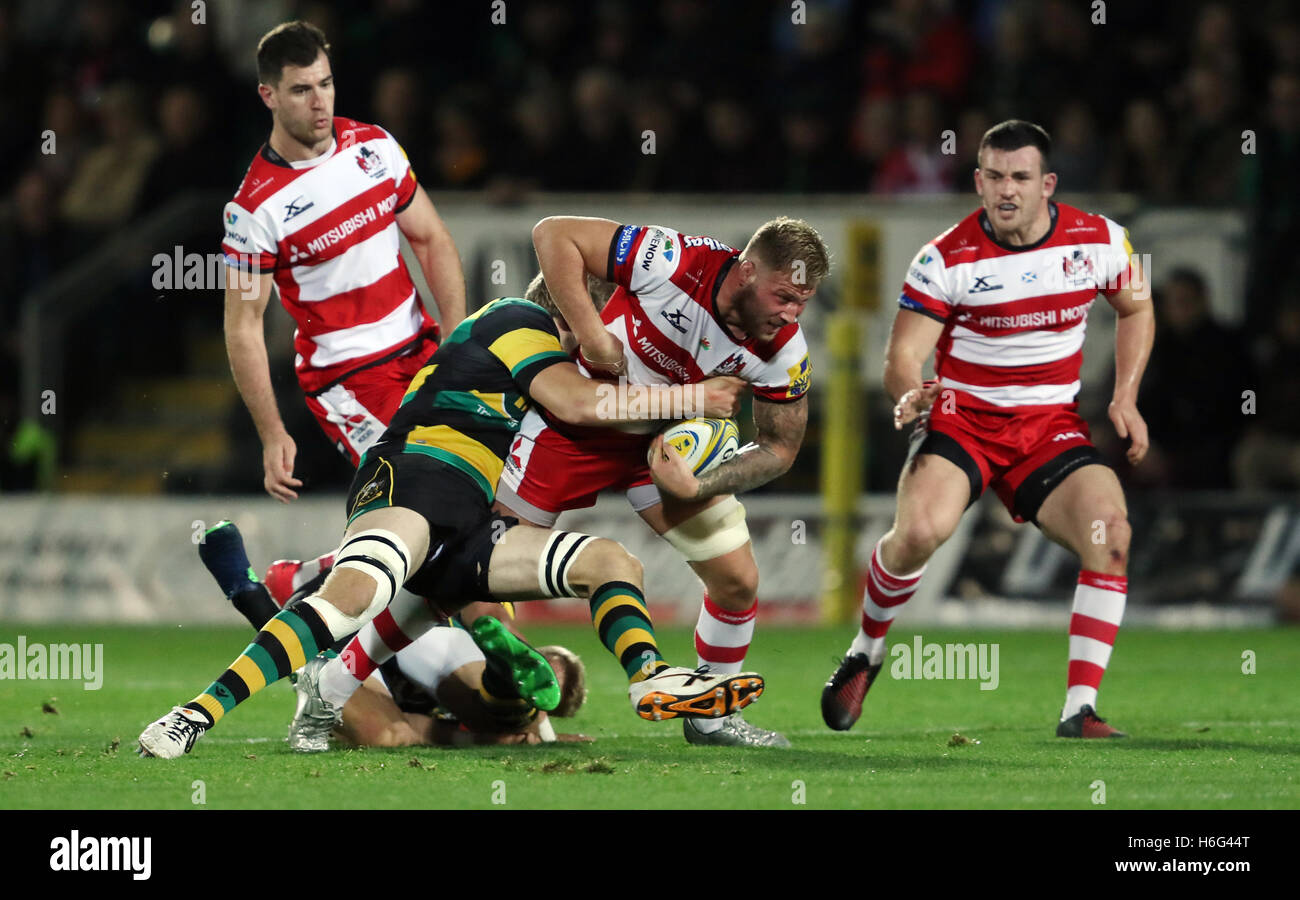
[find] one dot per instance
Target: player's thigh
(530, 563)
(409, 526)
(514, 564)
(352, 590)
(1086, 510)
(933, 492)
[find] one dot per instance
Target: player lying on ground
(1002, 299)
(429, 692)
(432, 694)
(685, 307)
(419, 513)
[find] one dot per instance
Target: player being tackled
(420, 515)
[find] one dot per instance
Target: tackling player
(686, 306)
(1002, 299)
(420, 514)
(429, 693)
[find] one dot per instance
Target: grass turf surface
(1205, 735)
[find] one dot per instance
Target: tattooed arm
(780, 434)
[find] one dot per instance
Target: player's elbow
(544, 228)
(785, 456)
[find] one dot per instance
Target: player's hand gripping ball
(705, 444)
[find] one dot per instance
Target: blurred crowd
(115, 106)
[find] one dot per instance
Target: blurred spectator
(1191, 392)
(1269, 455)
(971, 125)
(32, 250)
(460, 155)
(1271, 181)
(874, 131)
(19, 109)
(739, 157)
(1063, 63)
(1006, 82)
(396, 105)
(1140, 158)
(602, 146)
(918, 45)
(918, 164)
(103, 49)
(536, 156)
(63, 117)
(185, 52)
(189, 160)
(656, 125)
(106, 187)
(1076, 149)
(1208, 159)
(814, 158)
(33, 247)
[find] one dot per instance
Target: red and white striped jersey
(665, 312)
(327, 229)
(1014, 317)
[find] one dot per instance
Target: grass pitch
(1204, 734)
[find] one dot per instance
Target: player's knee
(917, 540)
(602, 561)
(1111, 533)
(734, 589)
(369, 568)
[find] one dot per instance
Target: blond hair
(537, 292)
(791, 245)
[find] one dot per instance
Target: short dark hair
(288, 44)
(1014, 134)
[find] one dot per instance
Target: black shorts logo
(372, 491)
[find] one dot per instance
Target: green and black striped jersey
(465, 405)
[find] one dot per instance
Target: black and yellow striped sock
(619, 614)
(293, 636)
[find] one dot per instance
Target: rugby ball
(705, 443)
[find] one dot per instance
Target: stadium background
(129, 124)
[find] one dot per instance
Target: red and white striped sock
(1098, 609)
(722, 639)
(884, 597)
(405, 619)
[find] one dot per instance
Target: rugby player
(429, 693)
(685, 307)
(318, 216)
(1002, 299)
(420, 515)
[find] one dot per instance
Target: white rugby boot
(173, 735)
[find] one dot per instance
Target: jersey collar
(989, 233)
(276, 159)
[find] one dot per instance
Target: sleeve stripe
(556, 355)
(520, 344)
(403, 204)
